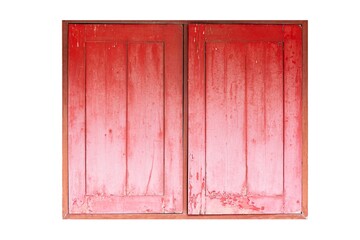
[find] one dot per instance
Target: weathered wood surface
(244, 119)
(125, 118)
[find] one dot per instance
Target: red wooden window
(125, 118)
(245, 118)
(182, 120)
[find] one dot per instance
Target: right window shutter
(244, 129)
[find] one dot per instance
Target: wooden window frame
(184, 214)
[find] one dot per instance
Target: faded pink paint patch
(81, 205)
(234, 200)
(196, 200)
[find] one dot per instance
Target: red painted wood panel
(292, 120)
(146, 119)
(196, 116)
(125, 118)
(173, 107)
(225, 118)
(243, 33)
(76, 116)
(105, 118)
(264, 77)
(243, 92)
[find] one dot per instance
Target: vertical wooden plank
(225, 118)
(116, 81)
(105, 118)
(304, 113)
(76, 118)
(293, 118)
(264, 118)
(65, 127)
(185, 135)
(236, 117)
(174, 160)
(274, 108)
(145, 119)
(96, 131)
(196, 115)
(255, 79)
(216, 118)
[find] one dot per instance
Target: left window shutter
(125, 118)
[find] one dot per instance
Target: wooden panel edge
(305, 119)
(65, 182)
(185, 118)
(184, 216)
(186, 22)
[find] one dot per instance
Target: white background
(30, 120)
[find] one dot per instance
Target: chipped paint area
(86, 203)
(81, 205)
(196, 198)
(229, 203)
(168, 204)
(103, 203)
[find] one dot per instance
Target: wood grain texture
(293, 118)
(264, 71)
(304, 114)
(187, 22)
(196, 124)
(76, 116)
(105, 118)
(125, 126)
(65, 130)
(184, 216)
(68, 73)
(243, 131)
(243, 33)
(174, 161)
(225, 118)
(185, 120)
(145, 119)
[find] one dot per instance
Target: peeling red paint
(104, 203)
(82, 205)
(234, 200)
(196, 200)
